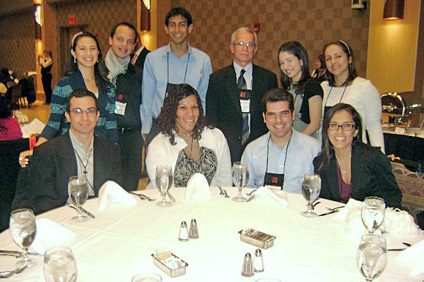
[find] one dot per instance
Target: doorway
(66, 35)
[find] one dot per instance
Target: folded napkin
(267, 194)
(50, 234)
(111, 192)
(414, 255)
(197, 188)
(395, 221)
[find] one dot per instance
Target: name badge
(120, 108)
(245, 106)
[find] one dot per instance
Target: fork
(251, 192)
(143, 197)
(7, 274)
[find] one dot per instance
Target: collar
(248, 69)
(167, 49)
(77, 144)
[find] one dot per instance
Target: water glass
(371, 258)
(78, 195)
(164, 179)
(240, 179)
(60, 265)
(311, 187)
(372, 213)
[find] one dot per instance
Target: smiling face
(291, 66)
(279, 119)
(341, 139)
(178, 30)
(187, 114)
(243, 55)
(337, 62)
(82, 123)
(123, 41)
(86, 52)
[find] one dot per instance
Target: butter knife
(327, 213)
(17, 253)
(84, 210)
(170, 197)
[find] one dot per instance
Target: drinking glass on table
(240, 179)
(78, 195)
(60, 265)
(371, 258)
(311, 187)
(372, 213)
(23, 229)
(164, 180)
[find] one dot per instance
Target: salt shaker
(193, 233)
(258, 261)
(247, 270)
(183, 232)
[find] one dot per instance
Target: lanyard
(167, 67)
(85, 165)
(285, 157)
(329, 93)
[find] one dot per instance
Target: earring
(75, 60)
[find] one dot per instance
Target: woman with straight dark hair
(307, 93)
(350, 168)
(344, 86)
(83, 71)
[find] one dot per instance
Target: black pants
(46, 79)
(131, 145)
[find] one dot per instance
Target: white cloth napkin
(50, 234)
(34, 127)
(112, 192)
(266, 194)
(197, 188)
(395, 221)
(414, 255)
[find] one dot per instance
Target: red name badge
(274, 179)
(242, 94)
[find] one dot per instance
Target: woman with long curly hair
(187, 142)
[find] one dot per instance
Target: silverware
(84, 211)
(314, 204)
(170, 197)
(251, 192)
(225, 192)
(18, 253)
(397, 250)
(221, 192)
(149, 199)
(7, 274)
(336, 208)
(250, 198)
(327, 213)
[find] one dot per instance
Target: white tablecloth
(118, 243)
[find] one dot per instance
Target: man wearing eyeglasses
(42, 186)
(234, 96)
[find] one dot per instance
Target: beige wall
(392, 48)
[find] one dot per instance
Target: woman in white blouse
(344, 86)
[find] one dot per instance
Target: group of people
(199, 121)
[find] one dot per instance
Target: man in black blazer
(43, 185)
(235, 93)
(139, 55)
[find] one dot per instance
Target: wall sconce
(393, 9)
(37, 21)
(145, 16)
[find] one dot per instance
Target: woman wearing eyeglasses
(83, 71)
(350, 168)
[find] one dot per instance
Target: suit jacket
(43, 185)
(371, 176)
(141, 58)
(223, 105)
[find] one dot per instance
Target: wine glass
(23, 230)
(78, 195)
(311, 187)
(371, 257)
(60, 265)
(240, 179)
(164, 180)
(372, 213)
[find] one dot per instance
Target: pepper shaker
(247, 270)
(193, 233)
(258, 261)
(183, 232)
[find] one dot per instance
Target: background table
(118, 244)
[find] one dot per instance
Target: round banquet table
(118, 243)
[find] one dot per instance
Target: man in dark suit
(139, 55)
(234, 96)
(43, 185)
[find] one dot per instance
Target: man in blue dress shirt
(174, 63)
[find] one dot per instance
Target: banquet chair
(9, 171)
(15, 100)
(412, 186)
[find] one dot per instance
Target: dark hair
(168, 113)
(4, 109)
(50, 53)
(349, 53)
(178, 11)
(277, 95)
(79, 93)
(99, 71)
(296, 49)
(327, 150)
(127, 24)
(321, 61)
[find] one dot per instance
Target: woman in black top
(46, 63)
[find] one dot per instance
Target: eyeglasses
(89, 111)
(241, 44)
(345, 126)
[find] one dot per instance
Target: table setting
(216, 238)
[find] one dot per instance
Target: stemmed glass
(240, 179)
(23, 230)
(372, 213)
(60, 265)
(164, 180)
(78, 195)
(371, 257)
(311, 187)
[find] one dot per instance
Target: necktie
(241, 84)
(134, 59)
